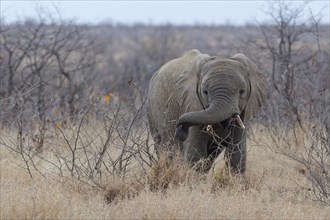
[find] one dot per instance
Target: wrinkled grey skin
(189, 93)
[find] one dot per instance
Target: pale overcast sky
(155, 12)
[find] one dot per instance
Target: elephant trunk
(218, 111)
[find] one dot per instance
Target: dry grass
(274, 187)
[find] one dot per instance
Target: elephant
(199, 104)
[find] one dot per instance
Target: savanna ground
(74, 140)
(274, 187)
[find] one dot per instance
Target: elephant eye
(205, 92)
(242, 91)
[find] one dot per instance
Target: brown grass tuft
(117, 190)
(170, 172)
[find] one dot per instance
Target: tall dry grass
(274, 187)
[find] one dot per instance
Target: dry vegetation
(274, 187)
(74, 141)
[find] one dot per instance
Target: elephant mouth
(182, 131)
(235, 118)
(226, 123)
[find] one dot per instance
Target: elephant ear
(187, 82)
(257, 81)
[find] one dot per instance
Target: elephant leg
(235, 156)
(157, 139)
(164, 142)
(195, 148)
(213, 151)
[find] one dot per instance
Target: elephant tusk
(239, 121)
(209, 128)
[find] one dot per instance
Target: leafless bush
(297, 113)
(45, 71)
(54, 55)
(47, 101)
(105, 140)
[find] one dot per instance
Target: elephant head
(227, 89)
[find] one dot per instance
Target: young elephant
(196, 103)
